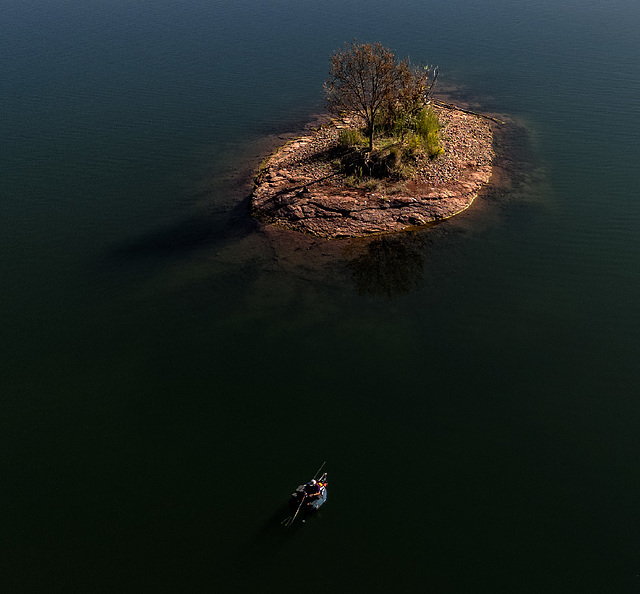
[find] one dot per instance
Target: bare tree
(366, 79)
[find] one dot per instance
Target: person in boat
(313, 489)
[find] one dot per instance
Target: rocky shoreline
(298, 188)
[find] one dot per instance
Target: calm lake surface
(170, 371)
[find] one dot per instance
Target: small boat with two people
(308, 498)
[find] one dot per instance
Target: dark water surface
(169, 371)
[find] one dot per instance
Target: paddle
(287, 523)
(319, 470)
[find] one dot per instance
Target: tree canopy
(368, 82)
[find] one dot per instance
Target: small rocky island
(425, 160)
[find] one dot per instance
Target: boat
(311, 496)
(307, 499)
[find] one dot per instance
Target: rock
(299, 188)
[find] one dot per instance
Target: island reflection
(390, 266)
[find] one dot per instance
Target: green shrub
(426, 128)
(433, 146)
(371, 185)
(426, 122)
(408, 138)
(350, 137)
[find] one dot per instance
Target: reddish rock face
(298, 188)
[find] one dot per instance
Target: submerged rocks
(298, 187)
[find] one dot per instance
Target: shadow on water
(271, 550)
(390, 266)
(200, 231)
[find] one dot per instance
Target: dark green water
(169, 372)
